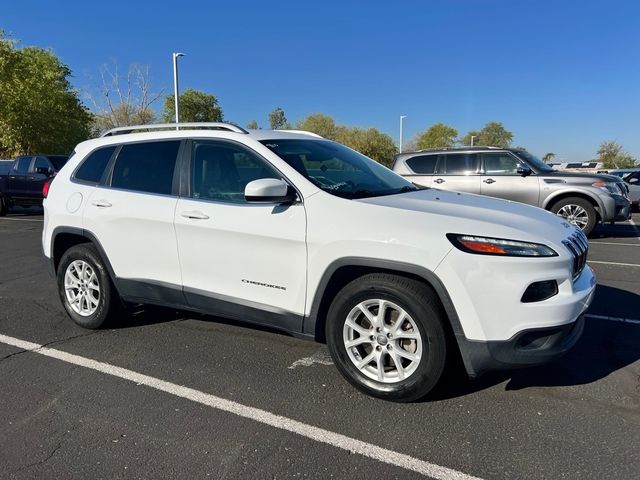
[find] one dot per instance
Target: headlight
(610, 187)
(499, 246)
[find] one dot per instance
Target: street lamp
(175, 83)
(472, 137)
(402, 117)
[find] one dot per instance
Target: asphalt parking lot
(172, 395)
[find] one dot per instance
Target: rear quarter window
(423, 164)
(93, 167)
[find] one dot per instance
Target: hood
(480, 215)
(579, 177)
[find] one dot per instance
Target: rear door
(246, 260)
(131, 214)
(458, 172)
(16, 182)
(422, 168)
(501, 179)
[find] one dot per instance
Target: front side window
(423, 164)
(146, 167)
(94, 165)
(22, 165)
(458, 164)
(337, 169)
(500, 164)
(220, 171)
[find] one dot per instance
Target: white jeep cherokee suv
(287, 229)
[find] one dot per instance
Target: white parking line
(317, 434)
(614, 263)
(613, 319)
(614, 243)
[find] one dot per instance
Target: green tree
(370, 142)
(493, 134)
(321, 124)
(548, 157)
(40, 112)
(437, 136)
(612, 155)
(195, 106)
(253, 125)
(277, 119)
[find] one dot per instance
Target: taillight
(45, 189)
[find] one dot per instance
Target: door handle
(439, 180)
(195, 215)
(101, 203)
(489, 181)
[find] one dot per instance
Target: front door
(501, 179)
(239, 259)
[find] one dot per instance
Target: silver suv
(584, 199)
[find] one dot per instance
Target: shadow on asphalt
(605, 347)
(25, 212)
(615, 231)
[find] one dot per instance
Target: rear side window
(146, 167)
(424, 164)
(93, 167)
(22, 165)
(458, 164)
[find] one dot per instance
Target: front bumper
(622, 209)
(527, 348)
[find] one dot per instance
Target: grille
(578, 245)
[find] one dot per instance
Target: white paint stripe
(22, 219)
(614, 263)
(262, 416)
(613, 319)
(614, 243)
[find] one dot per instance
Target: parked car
(24, 182)
(290, 230)
(583, 199)
(631, 177)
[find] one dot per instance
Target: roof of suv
(461, 149)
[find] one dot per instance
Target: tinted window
(458, 164)
(337, 169)
(500, 164)
(22, 165)
(425, 164)
(146, 167)
(221, 171)
(41, 162)
(93, 167)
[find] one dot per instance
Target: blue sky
(562, 75)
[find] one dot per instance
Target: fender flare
(550, 200)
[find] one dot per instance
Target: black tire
(109, 306)
(423, 308)
(4, 205)
(592, 216)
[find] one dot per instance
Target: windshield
(339, 170)
(538, 165)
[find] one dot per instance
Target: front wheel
(578, 212)
(386, 336)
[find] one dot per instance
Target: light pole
(175, 83)
(472, 137)
(402, 117)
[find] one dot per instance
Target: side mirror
(269, 190)
(523, 170)
(44, 171)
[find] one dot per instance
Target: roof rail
(175, 126)
(300, 131)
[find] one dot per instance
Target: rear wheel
(4, 205)
(386, 336)
(578, 212)
(85, 288)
